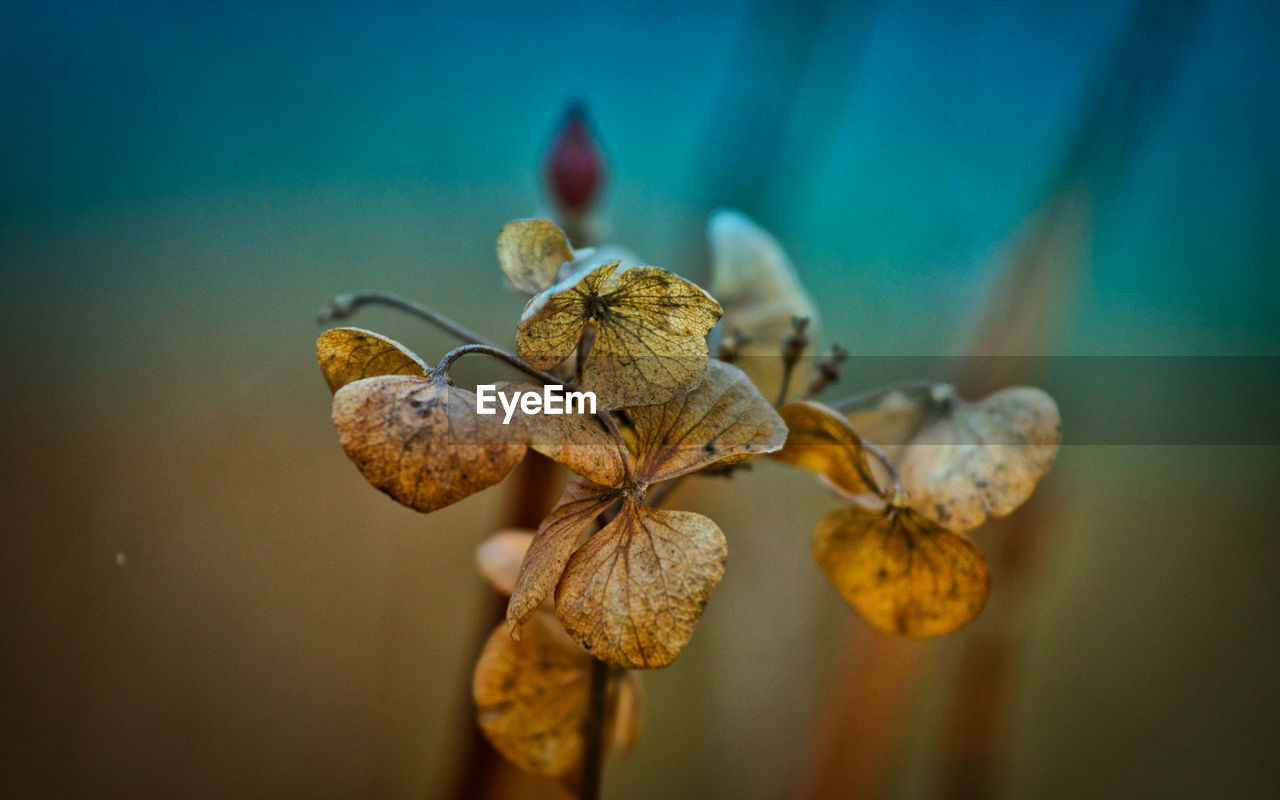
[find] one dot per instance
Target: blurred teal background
(202, 597)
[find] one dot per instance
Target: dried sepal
(577, 440)
(532, 697)
(531, 252)
(633, 594)
(649, 327)
(962, 462)
(821, 440)
(756, 283)
(500, 555)
(904, 573)
(420, 440)
(349, 354)
(723, 421)
(549, 552)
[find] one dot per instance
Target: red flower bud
(575, 165)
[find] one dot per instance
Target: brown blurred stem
(593, 752)
(478, 771)
(344, 305)
(793, 347)
(787, 368)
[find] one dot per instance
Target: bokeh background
(202, 598)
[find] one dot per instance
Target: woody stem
(594, 730)
(344, 305)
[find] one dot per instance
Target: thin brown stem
(788, 366)
(871, 396)
(883, 458)
(612, 425)
(344, 305)
(593, 752)
(500, 354)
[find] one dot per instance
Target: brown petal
(634, 592)
(532, 696)
(821, 440)
(650, 345)
(961, 462)
(904, 573)
(630, 365)
(532, 699)
(554, 320)
(499, 557)
(579, 441)
(755, 282)
(649, 325)
(349, 354)
(725, 419)
(420, 440)
(575, 511)
(530, 252)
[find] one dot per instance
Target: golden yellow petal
(575, 511)
(532, 696)
(530, 252)
(349, 354)
(553, 322)
(821, 440)
(578, 440)
(725, 419)
(649, 332)
(420, 440)
(904, 573)
(634, 592)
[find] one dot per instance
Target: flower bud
(575, 166)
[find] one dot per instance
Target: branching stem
(344, 305)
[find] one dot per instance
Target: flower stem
(612, 425)
(344, 305)
(870, 397)
(787, 367)
(594, 730)
(883, 458)
(500, 354)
